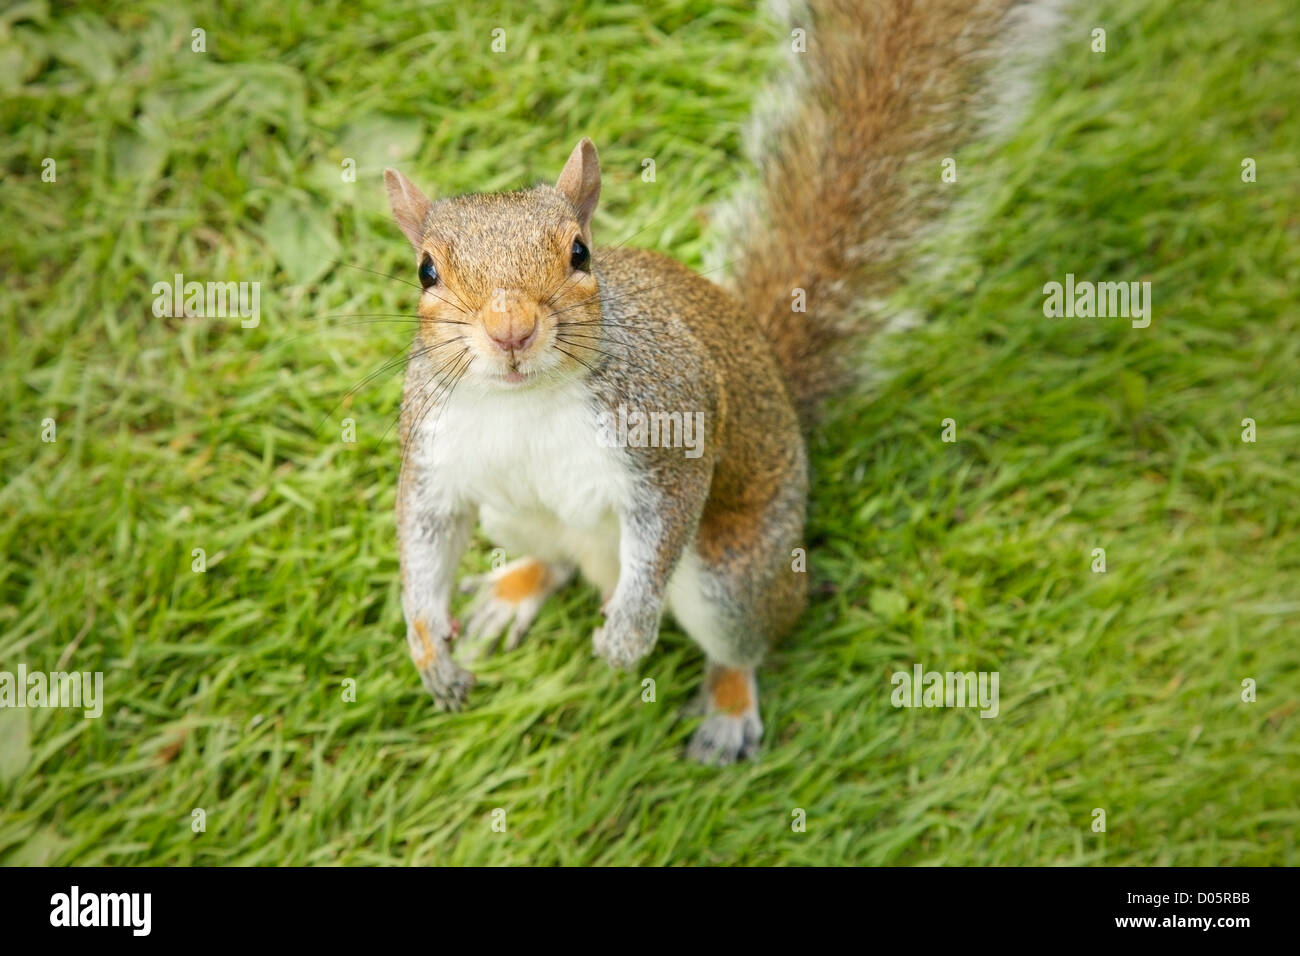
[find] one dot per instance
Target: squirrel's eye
(580, 256)
(428, 274)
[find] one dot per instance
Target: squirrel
(543, 363)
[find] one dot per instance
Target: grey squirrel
(533, 342)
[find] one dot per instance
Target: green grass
(1119, 690)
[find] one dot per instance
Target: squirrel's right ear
(410, 206)
(580, 181)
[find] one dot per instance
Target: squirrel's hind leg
(725, 615)
(735, 594)
(509, 597)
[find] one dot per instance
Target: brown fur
(729, 690)
(701, 353)
(522, 582)
(427, 652)
(885, 86)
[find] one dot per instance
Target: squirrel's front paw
(445, 680)
(625, 637)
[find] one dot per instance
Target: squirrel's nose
(516, 334)
(511, 322)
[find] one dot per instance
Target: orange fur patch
(524, 581)
(729, 690)
(425, 659)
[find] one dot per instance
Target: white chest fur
(523, 452)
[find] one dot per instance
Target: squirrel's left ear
(580, 181)
(410, 206)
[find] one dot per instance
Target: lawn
(225, 689)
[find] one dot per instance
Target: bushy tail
(881, 91)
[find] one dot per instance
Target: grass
(1119, 691)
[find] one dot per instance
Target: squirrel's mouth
(510, 372)
(520, 369)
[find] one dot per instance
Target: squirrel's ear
(580, 181)
(410, 206)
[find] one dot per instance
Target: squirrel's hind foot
(508, 600)
(732, 729)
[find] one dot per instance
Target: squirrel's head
(503, 273)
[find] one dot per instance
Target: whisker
(624, 241)
(344, 325)
(465, 307)
(606, 323)
(373, 272)
(437, 394)
(417, 419)
(447, 301)
(574, 357)
(435, 375)
(445, 399)
(388, 363)
(592, 348)
(550, 297)
(605, 300)
(594, 337)
(391, 315)
(413, 285)
(392, 362)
